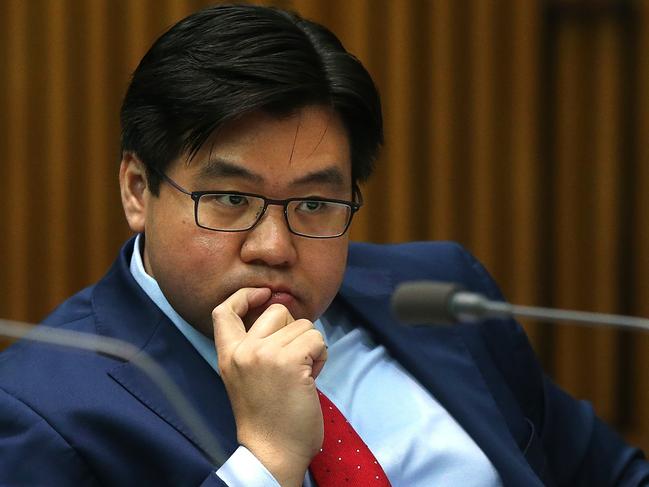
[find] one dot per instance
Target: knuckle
(283, 361)
(265, 355)
(277, 308)
(261, 356)
(218, 312)
(315, 334)
(243, 361)
(304, 323)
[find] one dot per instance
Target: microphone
(432, 302)
(125, 351)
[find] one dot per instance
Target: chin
(206, 328)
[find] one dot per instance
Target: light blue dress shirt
(416, 441)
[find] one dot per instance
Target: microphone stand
(466, 305)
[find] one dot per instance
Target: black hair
(223, 62)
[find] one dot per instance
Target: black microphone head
(417, 302)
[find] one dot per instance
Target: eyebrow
(330, 176)
(219, 168)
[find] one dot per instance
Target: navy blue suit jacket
(78, 418)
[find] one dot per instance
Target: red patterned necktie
(344, 460)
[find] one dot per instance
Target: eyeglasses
(233, 211)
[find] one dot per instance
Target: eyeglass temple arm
(170, 181)
(357, 196)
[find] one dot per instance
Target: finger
(274, 318)
(227, 316)
(291, 331)
(309, 349)
(318, 365)
(319, 362)
(245, 299)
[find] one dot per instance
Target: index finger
(227, 317)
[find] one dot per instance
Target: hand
(269, 373)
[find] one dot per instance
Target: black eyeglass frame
(354, 206)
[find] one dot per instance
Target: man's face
(304, 155)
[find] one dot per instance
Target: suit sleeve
(582, 450)
(32, 453)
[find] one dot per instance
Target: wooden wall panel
(15, 221)
(442, 135)
(514, 127)
(522, 274)
(638, 370)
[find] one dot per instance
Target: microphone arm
(127, 352)
(440, 302)
(476, 305)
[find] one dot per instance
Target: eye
(231, 200)
(310, 206)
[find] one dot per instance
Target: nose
(270, 242)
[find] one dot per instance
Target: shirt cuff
(243, 469)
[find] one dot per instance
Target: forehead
(309, 145)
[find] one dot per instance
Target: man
(246, 131)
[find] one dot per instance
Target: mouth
(280, 297)
(280, 294)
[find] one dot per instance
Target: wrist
(287, 467)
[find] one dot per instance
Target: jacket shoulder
(73, 309)
(435, 260)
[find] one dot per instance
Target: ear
(133, 188)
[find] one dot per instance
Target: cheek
(189, 255)
(325, 268)
(193, 271)
(210, 247)
(207, 260)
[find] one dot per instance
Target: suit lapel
(125, 312)
(197, 381)
(440, 360)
